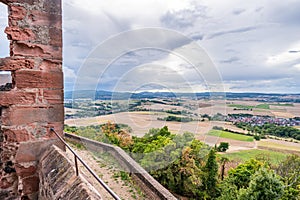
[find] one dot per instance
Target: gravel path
(110, 173)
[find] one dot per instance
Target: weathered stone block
(26, 115)
(56, 36)
(53, 96)
(17, 98)
(16, 33)
(13, 64)
(36, 50)
(16, 12)
(16, 135)
(50, 65)
(40, 18)
(38, 79)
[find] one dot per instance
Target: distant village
(261, 120)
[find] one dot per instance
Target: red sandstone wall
(35, 101)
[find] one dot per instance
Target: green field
(248, 107)
(229, 135)
(239, 106)
(263, 106)
(273, 156)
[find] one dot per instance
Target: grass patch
(234, 136)
(274, 157)
(263, 106)
(239, 106)
(248, 107)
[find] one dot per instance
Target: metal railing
(76, 157)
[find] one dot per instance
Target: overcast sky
(254, 45)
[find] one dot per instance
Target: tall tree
(211, 175)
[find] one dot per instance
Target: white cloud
(297, 66)
(289, 55)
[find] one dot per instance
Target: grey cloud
(293, 51)
(274, 86)
(238, 11)
(287, 13)
(230, 60)
(238, 30)
(196, 36)
(259, 9)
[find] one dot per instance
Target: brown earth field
(141, 122)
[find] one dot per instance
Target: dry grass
(279, 144)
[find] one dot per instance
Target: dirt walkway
(110, 173)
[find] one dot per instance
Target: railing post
(76, 165)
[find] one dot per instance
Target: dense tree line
(176, 119)
(271, 129)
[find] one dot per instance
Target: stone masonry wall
(58, 179)
(33, 102)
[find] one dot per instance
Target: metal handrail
(86, 166)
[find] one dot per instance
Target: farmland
(229, 135)
(142, 115)
(187, 123)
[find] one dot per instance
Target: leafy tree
(184, 174)
(264, 185)
(228, 189)
(223, 146)
(241, 175)
(117, 136)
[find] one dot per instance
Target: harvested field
(279, 145)
(141, 122)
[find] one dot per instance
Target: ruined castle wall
(33, 102)
(58, 179)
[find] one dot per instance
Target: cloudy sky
(192, 45)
